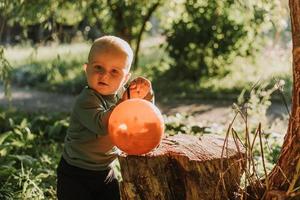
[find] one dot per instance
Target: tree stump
(184, 167)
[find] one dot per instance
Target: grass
(25, 54)
(30, 147)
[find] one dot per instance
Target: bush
(210, 35)
(30, 147)
(58, 75)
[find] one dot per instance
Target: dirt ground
(212, 111)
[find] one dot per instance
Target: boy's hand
(139, 88)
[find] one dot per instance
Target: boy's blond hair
(111, 44)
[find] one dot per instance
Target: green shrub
(30, 147)
(58, 75)
(210, 34)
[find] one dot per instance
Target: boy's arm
(92, 116)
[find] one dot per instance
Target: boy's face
(107, 72)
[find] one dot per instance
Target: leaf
(3, 151)
(17, 143)
(6, 170)
(30, 136)
(11, 122)
(24, 123)
(42, 175)
(4, 135)
(55, 130)
(18, 132)
(26, 159)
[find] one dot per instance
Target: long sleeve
(92, 112)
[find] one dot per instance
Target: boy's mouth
(102, 83)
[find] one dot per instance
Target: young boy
(84, 171)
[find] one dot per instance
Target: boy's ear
(84, 66)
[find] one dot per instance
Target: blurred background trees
(199, 39)
(62, 21)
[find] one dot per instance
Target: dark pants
(75, 183)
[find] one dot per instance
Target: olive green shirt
(87, 144)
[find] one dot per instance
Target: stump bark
(184, 167)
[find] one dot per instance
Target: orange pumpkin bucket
(136, 126)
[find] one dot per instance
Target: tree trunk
(184, 167)
(142, 30)
(284, 179)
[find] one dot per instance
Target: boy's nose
(104, 76)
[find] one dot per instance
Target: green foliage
(176, 124)
(30, 147)
(68, 12)
(257, 101)
(211, 34)
(272, 143)
(57, 75)
(25, 13)
(253, 105)
(126, 17)
(186, 124)
(57, 129)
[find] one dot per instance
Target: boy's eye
(98, 67)
(114, 71)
